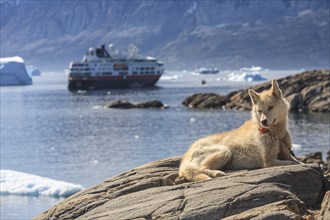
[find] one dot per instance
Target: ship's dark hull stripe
(108, 82)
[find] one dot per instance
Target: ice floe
(19, 183)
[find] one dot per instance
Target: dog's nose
(264, 122)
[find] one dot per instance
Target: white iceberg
(245, 76)
(19, 183)
(32, 71)
(13, 72)
(252, 68)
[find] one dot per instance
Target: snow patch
(191, 9)
(19, 183)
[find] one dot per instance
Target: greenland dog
(263, 141)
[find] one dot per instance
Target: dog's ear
(276, 91)
(254, 96)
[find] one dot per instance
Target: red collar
(263, 130)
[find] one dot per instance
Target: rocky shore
(152, 191)
(306, 91)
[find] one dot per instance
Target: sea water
(72, 137)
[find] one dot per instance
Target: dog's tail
(191, 173)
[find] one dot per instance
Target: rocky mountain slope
(184, 34)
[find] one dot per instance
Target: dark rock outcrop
(306, 91)
(149, 192)
(122, 104)
(205, 100)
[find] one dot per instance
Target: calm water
(48, 131)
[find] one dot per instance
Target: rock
(149, 192)
(295, 100)
(278, 210)
(205, 100)
(325, 207)
(151, 104)
(320, 103)
(122, 104)
(313, 158)
(317, 158)
(306, 91)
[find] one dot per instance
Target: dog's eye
(270, 107)
(259, 111)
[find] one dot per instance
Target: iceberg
(19, 183)
(32, 71)
(13, 72)
(245, 76)
(252, 68)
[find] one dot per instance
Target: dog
(262, 141)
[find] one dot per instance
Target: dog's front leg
(285, 150)
(270, 158)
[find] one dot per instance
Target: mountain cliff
(228, 34)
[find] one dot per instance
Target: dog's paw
(217, 173)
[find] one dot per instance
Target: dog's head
(269, 107)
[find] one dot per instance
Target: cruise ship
(107, 69)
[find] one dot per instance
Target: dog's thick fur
(260, 142)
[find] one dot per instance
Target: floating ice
(19, 183)
(174, 77)
(33, 71)
(245, 76)
(296, 147)
(252, 68)
(13, 72)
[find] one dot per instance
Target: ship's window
(120, 66)
(135, 73)
(107, 73)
